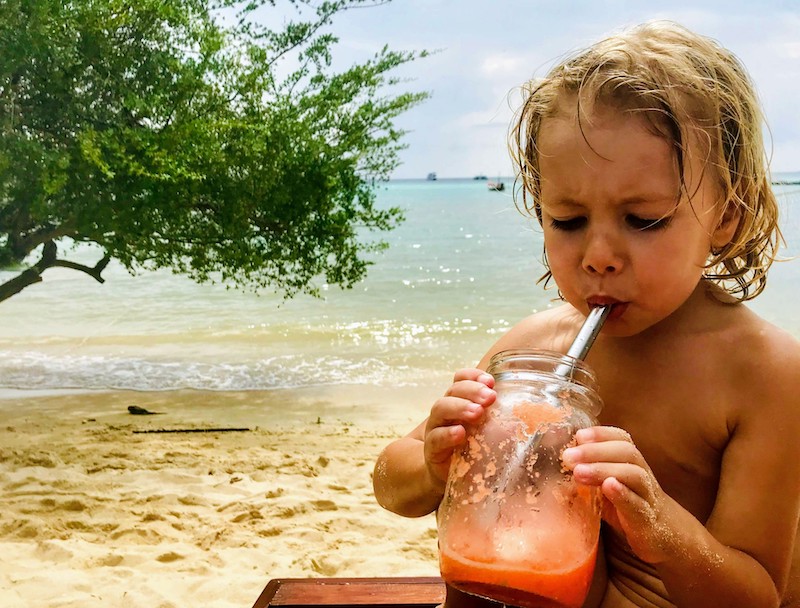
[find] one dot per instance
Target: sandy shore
(95, 512)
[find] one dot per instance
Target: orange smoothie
(536, 415)
(559, 587)
(527, 540)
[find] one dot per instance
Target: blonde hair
(690, 89)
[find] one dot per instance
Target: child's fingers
(439, 446)
(473, 390)
(637, 519)
(606, 452)
(631, 509)
(477, 392)
(634, 477)
(452, 410)
(440, 442)
(604, 444)
(607, 457)
(596, 434)
(463, 402)
(471, 373)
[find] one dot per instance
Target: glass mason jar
(513, 524)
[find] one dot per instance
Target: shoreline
(375, 406)
(97, 514)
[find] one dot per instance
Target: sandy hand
(462, 405)
(633, 502)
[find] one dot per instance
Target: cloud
(481, 120)
(488, 52)
(791, 49)
(502, 65)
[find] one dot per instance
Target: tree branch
(33, 274)
(93, 271)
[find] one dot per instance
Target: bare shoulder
(760, 366)
(758, 496)
(550, 329)
(765, 363)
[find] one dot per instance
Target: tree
(162, 131)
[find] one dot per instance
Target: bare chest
(678, 422)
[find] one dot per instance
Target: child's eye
(570, 225)
(641, 223)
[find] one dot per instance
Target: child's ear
(726, 228)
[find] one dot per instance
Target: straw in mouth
(585, 338)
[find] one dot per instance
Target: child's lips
(618, 308)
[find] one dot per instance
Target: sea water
(458, 273)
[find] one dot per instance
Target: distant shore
(777, 181)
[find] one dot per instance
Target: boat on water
(497, 186)
(431, 176)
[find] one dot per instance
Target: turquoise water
(458, 273)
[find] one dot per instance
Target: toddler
(642, 159)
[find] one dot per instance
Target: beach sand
(94, 513)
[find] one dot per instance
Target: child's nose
(601, 255)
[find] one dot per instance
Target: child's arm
(741, 557)
(410, 473)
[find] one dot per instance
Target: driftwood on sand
(212, 430)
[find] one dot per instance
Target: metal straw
(577, 352)
(584, 340)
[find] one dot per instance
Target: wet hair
(690, 89)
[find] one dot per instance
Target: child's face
(615, 230)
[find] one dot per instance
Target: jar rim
(579, 371)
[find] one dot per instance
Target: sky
(488, 48)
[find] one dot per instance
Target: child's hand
(462, 404)
(633, 502)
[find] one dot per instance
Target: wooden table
(411, 592)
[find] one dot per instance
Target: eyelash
(635, 222)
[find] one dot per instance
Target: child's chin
(625, 325)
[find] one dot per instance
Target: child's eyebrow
(639, 199)
(562, 201)
(654, 197)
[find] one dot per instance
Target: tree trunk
(18, 283)
(48, 260)
(31, 275)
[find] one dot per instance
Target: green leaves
(164, 132)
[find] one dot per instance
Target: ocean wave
(38, 371)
